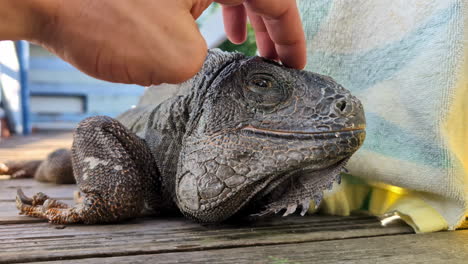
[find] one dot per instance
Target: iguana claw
(37, 206)
(23, 198)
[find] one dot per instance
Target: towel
(407, 62)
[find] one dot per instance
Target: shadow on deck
(309, 239)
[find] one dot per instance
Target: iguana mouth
(286, 133)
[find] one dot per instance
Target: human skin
(148, 41)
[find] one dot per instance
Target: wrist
(23, 20)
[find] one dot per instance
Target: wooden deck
(310, 239)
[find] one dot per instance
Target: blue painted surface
(74, 118)
(98, 97)
(22, 48)
(83, 96)
(100, 89)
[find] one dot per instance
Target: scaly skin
(247, 136)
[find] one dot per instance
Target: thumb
(176, 51)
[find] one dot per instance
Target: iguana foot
(42, 206)
(39, 199)
(92, 209)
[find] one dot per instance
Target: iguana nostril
(341, 105)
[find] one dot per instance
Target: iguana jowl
(248, 136)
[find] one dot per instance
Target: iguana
(249, 136)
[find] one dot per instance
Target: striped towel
(406, 60)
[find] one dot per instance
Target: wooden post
(22, 48)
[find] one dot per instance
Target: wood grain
(147, 236)
(444, 247)
(30, 187)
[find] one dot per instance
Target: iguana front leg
(115, 171)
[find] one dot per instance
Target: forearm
(21, 19)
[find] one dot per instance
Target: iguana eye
(261, 83)
(265, 91)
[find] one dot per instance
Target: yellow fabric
(345, 198)
(380, 199)
(419, 215)
(456, 127)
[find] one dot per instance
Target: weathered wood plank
(9, 215)
(444, 247)
(43, 138)
(43, 242)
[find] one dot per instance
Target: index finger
(283, 23)
(284, 27)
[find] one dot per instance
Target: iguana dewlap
(248, 136)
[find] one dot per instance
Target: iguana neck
(217, 66)
(176, 118)
(164, 134)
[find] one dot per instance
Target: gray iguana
(248, 136)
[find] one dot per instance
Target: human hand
(151, 42)
(277, 26)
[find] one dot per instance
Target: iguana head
(258, 130)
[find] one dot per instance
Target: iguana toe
(24, 205)
(23, 198)
(52, 203)
(40, 205)
(37, 199)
